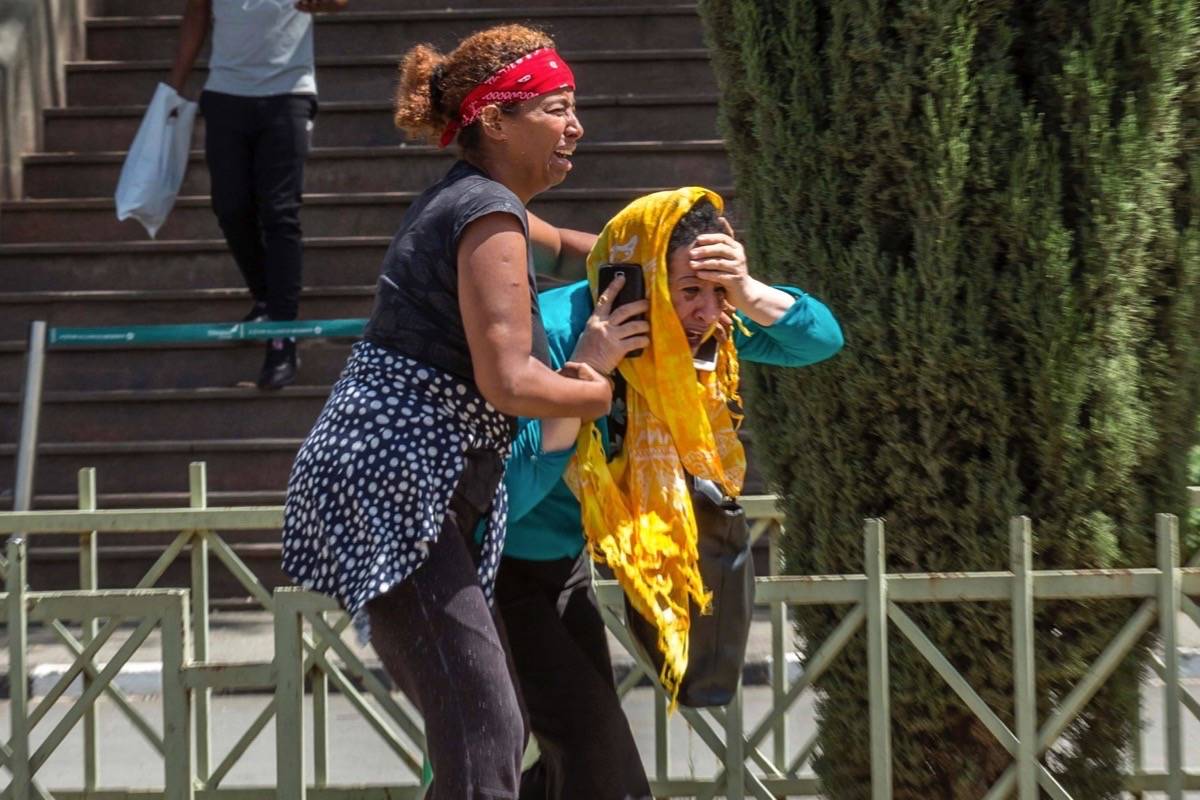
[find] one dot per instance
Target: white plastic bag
(157, 159)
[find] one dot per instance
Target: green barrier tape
(206, 332)
(303, 329)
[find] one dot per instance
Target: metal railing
(308, 631)
(876, 600)
(196, 537)
(42, 338)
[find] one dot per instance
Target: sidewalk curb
(144, 678)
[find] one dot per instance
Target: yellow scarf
(637, 511)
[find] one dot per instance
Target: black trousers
(439, 642)
(255, 148)
(560, 653)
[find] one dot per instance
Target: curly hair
(433, 85)
(701, 218)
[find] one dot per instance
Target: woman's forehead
(677, 262)
(679, 271)
(557, 94)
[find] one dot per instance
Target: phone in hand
(633, 290)
(705, 358)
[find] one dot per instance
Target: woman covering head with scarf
(619, 486)
(408, 453)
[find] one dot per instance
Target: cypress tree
(1000, 201)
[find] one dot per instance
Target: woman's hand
(610, 334)
(560, 433)
(720, 258)
(582, 371)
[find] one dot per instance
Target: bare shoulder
(493, 241)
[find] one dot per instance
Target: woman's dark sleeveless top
(416, 307)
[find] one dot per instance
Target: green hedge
(999, 200)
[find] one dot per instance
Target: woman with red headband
(408, 454)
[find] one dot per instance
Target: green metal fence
(309, 650)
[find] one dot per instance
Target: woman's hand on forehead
(720, 258)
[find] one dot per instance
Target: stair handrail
(42, 338)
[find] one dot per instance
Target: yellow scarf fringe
(637, 510)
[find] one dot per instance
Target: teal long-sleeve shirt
(543, 514)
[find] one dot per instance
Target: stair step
(360, 214)
(140, 415)
(158, 8)
(578, 28)
(203, 264)
(384, 169)
(201, 365)
(369, 124)
(125, 415)
(165, 306)
(196, 365)
(156, 466)
(371, 78)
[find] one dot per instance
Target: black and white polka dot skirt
(372, 482)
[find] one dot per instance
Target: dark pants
(560, 653)
(255, 148)
(437, 639)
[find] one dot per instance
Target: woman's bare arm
(559, 251)
(494, 298)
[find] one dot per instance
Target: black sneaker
(279, 366)
(258, 313)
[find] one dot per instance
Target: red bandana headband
(531, 75)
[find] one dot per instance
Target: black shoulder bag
(716, 641)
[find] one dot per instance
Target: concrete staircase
(647, 100)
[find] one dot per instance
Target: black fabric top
(416, 306)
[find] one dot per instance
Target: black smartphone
(633, 290)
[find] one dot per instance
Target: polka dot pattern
(372, 482)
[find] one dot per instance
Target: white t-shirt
(261, 48)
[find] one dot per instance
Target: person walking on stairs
(259, 102)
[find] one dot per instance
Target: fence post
(320, 717)
(289, 700)
(179, 768)
(735, 748)
(89, 581)
(1025, 688)
(31, 409)
(662, 738)
(18, 680)
(202, 697)
(779, 650)
(1169, 586)
(877, 662)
